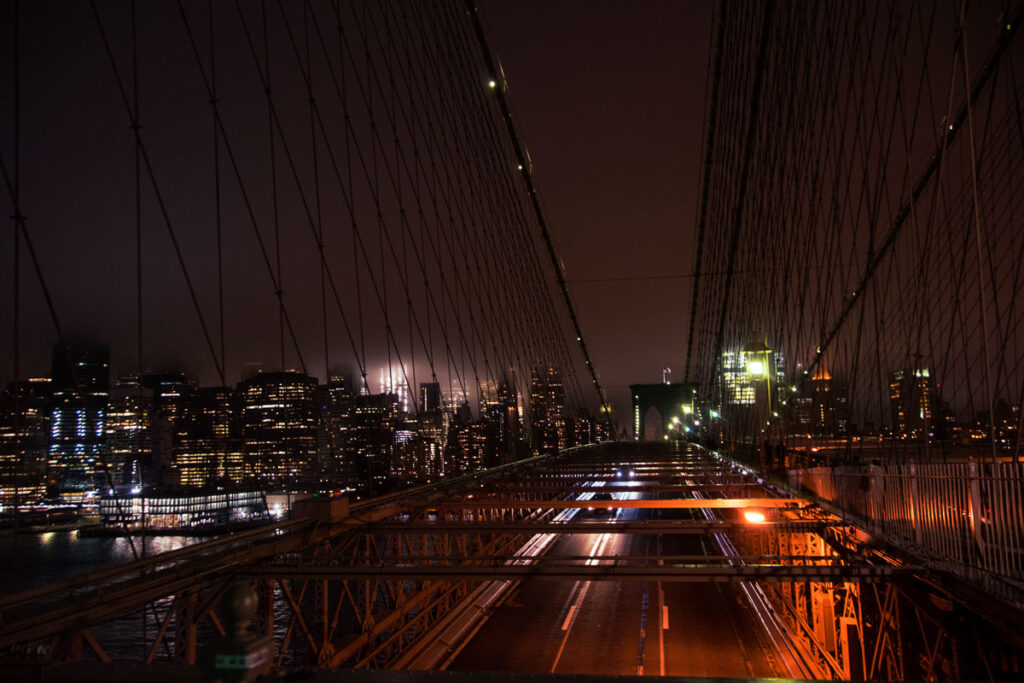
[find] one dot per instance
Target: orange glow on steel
(754, 517)
(689, 503)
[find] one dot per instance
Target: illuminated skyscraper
(547, 410)
(488, 390)
(372, 438)
(169, 390)
(24, 433)
(472, 446)
(129, 431)
(81, 384)
(337, 405)
(279, 427)
(207, 445)
(912, 401)
(822, 409)
(753, 388)
(394, 381)
(430, 397)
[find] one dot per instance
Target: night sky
(608, 98)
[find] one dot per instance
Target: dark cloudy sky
(607, 97)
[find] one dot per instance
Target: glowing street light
(754, 517)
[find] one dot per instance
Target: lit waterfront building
(547, 410)
(78, 417)
(182, 510)
(279, 427)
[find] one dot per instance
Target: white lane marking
(596, 550)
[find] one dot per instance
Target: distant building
(753, 389)
(754, 372)
(372, 439)
(547, 410)
(129, 431)
(430, 397)
(822, 408)
(472, 446)
(604, 430)
(279, 427)
(169, 391)
(394, 380)
(912, 401)
(504, 415)
(24, 435)
(78, 417)
(336, 403)
(583, 431)
(488, 392)
(207, 444)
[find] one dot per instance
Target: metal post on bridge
(240, 656)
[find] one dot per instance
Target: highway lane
(606, 627)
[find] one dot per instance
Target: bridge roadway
(656, 587)
(623, 628)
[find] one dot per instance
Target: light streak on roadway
(460, 627)
(580, 588)
(622, 628)
(773, 626)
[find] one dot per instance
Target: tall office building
(471, 446)
(169, 391)
(822, 409)
(78, 417)
(547, 410)
(394, 380)
(754, 389)
(279, 427)
(430, 397)
(207, 446)
(912, 401)
(488, 389)
(375, 421)
(337, 405)
(129, 431)
(24, 434)
(503, 413)
(754, 374)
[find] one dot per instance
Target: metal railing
(964, 518)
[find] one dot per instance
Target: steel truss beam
(860, 630)
(656, 504)
(582, 572)
(686, 527)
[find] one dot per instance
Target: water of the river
(30, 560)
